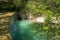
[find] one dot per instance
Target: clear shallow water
(23, 30)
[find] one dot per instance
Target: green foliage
(6, 6)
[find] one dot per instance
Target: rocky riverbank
(4, 26)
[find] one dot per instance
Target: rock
(5, 24)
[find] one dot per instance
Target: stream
(23, 30)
